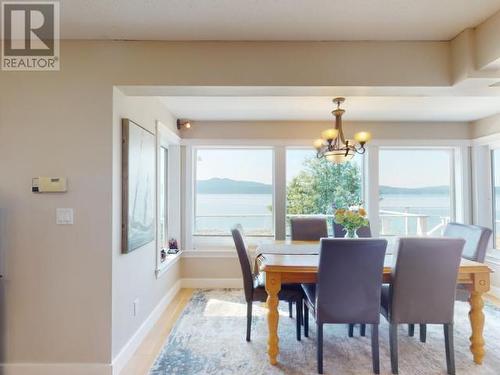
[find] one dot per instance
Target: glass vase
(350, 233)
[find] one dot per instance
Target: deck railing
(387, 217)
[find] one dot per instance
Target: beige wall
(487, 126)
(134, 274)
(311, 130)
(58, 282)
(221, 267)
(488, 43)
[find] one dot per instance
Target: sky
(399, 168)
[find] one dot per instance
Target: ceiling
(272, 19)
(310, 108)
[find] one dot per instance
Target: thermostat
(49, 185)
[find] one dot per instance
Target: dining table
(296, 262)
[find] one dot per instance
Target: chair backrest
(476, 239)
(246, 269)
(308, 228)
(424, 279)
(350, 280)
(363, 232)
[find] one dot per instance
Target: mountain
(228, 186)
(438, 190)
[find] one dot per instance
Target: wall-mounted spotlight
(183, 124)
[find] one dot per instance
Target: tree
(323, 186)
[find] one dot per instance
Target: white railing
(386, 218)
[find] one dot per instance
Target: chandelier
(333, 146)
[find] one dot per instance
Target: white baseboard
(129, 349)
(210, 283)
(56, 369)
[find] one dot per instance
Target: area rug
(209, 338)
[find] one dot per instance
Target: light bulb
(362, 137)
(329, 134)
(318, 143)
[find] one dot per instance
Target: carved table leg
(273, 286)
(480, 285)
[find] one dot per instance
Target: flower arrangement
(351, 219)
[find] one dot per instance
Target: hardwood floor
(143, 358)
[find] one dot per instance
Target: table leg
(481, 284)
(273, 286)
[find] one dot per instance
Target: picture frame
(138, 186)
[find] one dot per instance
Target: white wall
(134, 273)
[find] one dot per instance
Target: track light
(183, 124)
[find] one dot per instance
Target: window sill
(167, 264)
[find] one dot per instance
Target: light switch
(64, 216)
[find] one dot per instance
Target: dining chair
(422, 289)
(348, 289)
(254, 287)
(476, 239)
(363, 232)
(308, 228)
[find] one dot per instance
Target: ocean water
(216, 214)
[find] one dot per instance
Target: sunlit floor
(144, 357)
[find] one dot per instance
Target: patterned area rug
(209, 338)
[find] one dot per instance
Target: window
(233, 186)
(168, 197)
(316, 186)
(163, 199)
(495, 168)
(416, 191)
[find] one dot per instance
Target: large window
(495, 167)
(416, 191)
(316, 186)
(233, 186)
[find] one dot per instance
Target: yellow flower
(362, 212)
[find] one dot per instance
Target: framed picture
(138, 186)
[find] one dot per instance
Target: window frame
(493, 195)
(461, 186)
(168, 140)
(453, 161)
(200, 242)
(362, 166)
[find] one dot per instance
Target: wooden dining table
(290, 262)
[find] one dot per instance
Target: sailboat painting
(138, 186)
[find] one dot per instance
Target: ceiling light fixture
(333, 146)
(183, 124)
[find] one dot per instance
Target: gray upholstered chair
(254, 285)
(422, 289)
(308, 228)
(363, 232)
(476, 243)
(476, 239)
(348, 288)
